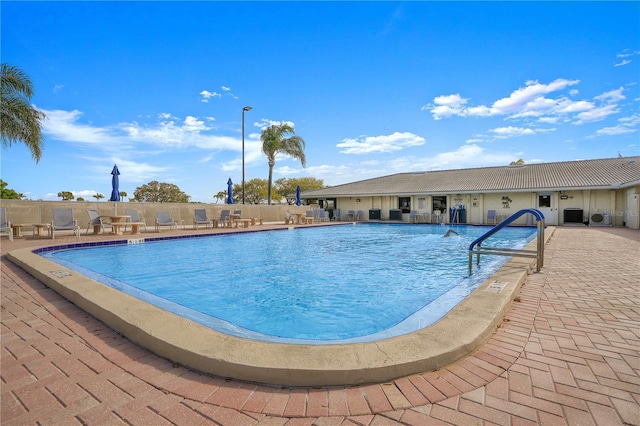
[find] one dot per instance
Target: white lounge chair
(200, 218)
(63, 221)
(163, 218)
(5, 225)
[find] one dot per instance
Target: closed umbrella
(298, 201)
(115, 188)
(115, 184)
(229, 192)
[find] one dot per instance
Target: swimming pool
(322, 285)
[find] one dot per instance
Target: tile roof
(565, 175)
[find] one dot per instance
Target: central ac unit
(599, 219)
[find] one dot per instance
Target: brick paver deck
(568, 352)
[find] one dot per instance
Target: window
(544, 200)
(440, 203)
(404, 203)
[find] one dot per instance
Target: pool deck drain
(567, 352)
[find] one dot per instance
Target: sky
(373, 88)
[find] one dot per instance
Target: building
(603, 192)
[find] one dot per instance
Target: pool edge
(467, 326)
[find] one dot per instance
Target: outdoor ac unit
(599, 219)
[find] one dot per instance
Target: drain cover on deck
(496, 287)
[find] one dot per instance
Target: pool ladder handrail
(477, 249)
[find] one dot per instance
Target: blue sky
(374, 88)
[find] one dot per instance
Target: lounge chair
(413, 216)
(96, 221)
(163, 218)
(491, 216)
(63, 221)
(308, 217)
(288, 219)
(200, 218)
(322, 215)
(336, 215)
(135, 217)
(5, 225)
(359, 215)
(224, 218)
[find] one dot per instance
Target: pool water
(337, 284)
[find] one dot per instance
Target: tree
(21, 122)
(156, 192)
(122, 194)
(274, 142)
(255, 191)
(79, 199)
(98, 196)
(8, 193)
(222, 195)
(520, 162)
(66, 195)
(287, 187)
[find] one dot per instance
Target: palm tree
(21, 122)
(274, 142)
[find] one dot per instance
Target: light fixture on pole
(247, 108)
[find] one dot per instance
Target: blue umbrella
(115, 184)
(229, 192)
(298, 201)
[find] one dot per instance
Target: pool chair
(200, 218)
(224, 218)
(63, 221)
(5, 225)
(491, 216)
(96, 221)
(163, 218)
(308, 217)
(359, 215)
(134, 217)
(351, 215)
(322, 215)
(413, 216)
(288, 219)
(336, 214)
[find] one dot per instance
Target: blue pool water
(337, 284)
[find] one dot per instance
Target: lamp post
(247, 108)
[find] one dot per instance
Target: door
(546, 207)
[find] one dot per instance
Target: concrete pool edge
(461, 331)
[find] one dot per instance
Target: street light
(247, 108)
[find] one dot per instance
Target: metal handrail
(476, 246)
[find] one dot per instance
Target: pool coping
(462, 330)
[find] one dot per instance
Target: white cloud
(596, 114)
(522, 97)
(168, 131)
(64, 126)
(383, 143)
(531, 101)
(225, 88)
(206, 95)
(612, 96)
(625, 125)
(622, 63)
